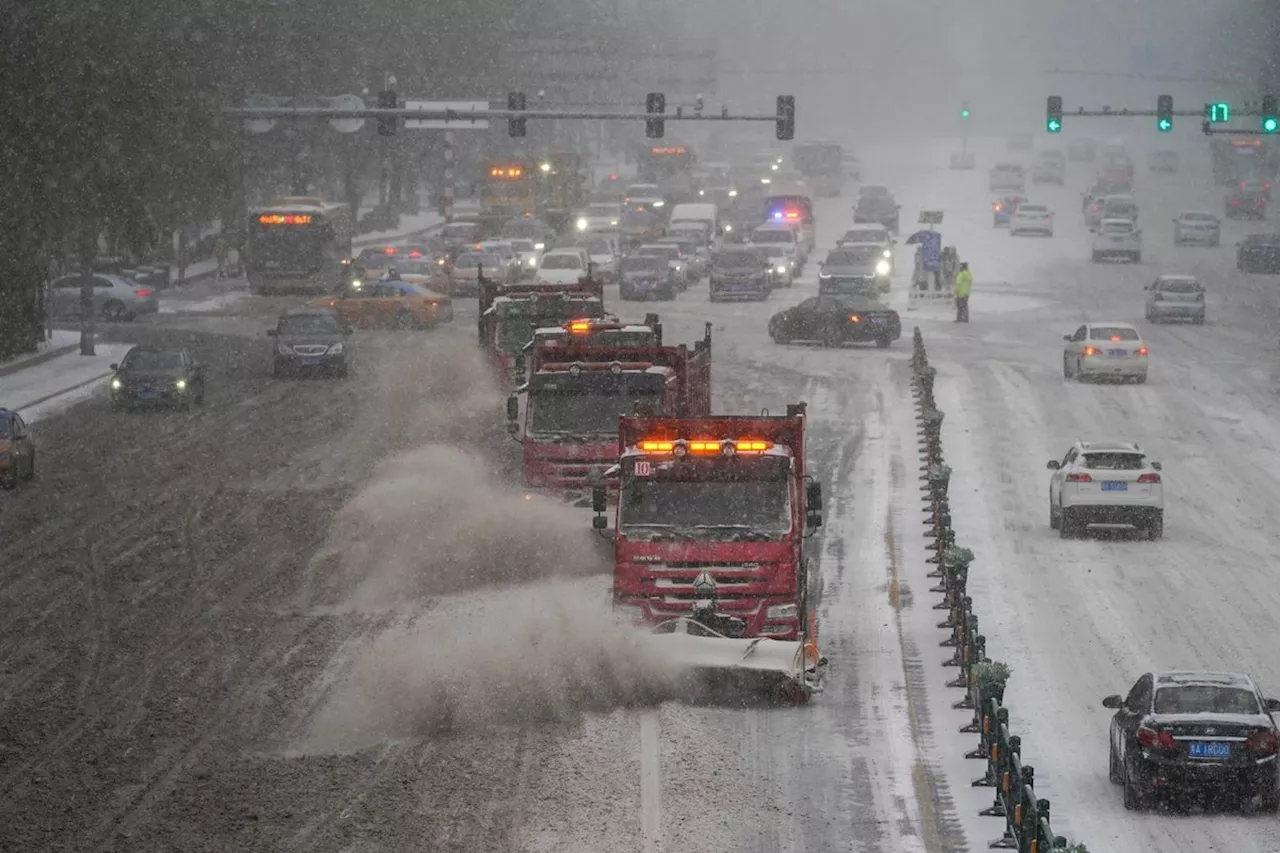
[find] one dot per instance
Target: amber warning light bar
(728, 446)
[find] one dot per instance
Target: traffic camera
(516, 126)
(786, 117)
(655, 103)
(1164, 113)
(1053, 119)
(387, 124)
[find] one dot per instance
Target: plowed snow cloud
(532, 654)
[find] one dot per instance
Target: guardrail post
(981, 723)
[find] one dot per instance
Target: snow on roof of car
(1110, 447)
(1188, 676)
(1101, 325)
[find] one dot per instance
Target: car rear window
(1117, 228)
(1033, 208)
(1114, 461)
(1198, 217)
(1180, 287)
(1113, 333)
(1206, 699)
(772, 237)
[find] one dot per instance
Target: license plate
(315, 359)
(1117, 239)
(1118, 353)
(148, 395)
(1114, 486)
(1208, 749)
(879, 321)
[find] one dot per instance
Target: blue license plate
(1208, 749)
(1117, 353)
(1114, 486)
(148, 395)
(879, 321)
(315, 359)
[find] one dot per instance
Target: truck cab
(583, 376)
(510, 316)
(715, 508)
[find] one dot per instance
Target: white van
(702, 213)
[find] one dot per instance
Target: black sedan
(1259, 253)
(836, 319)
(1246, 203)
(1210, 732)
(153, 376)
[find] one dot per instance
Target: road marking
(650, 783)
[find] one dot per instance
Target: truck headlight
(882, 268)
(783, 611)
(582, 224)
(336, 349)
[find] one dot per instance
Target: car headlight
(782, 269)
(613, 222)
(357, 283)
(336, 349)
(702, 192)
(539, 246)
(181, 384)
(882, 268)
(284, 349)
(888, 253)
(659, 204)
(116, 384)
(728, 228)
(582, 225)
(533, 262)
(733, 193)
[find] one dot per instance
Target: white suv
(1106, 485)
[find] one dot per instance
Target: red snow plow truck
(713, 514)
(582, 377)
(510, 314)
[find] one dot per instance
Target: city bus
(1236, 158)
(298, 245)
(506, 191)
(822, 164)
(671, 168)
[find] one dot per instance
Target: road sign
(462, 107)
(262, 125)
(346, 102)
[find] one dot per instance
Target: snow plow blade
(710, 668)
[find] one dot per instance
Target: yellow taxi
(389, 304)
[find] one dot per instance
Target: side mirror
(113, 367)
(813, 519)
(1272, 704)
(1053, 465)
(1157, 466)
(513, 409)
(1115, 702)
(599, 522)
(813, 496)
(599, 499)
(1067, 337)
(271, 333)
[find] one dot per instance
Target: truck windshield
(590, 415)
(724, 508)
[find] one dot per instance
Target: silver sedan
(114, 297)
(1197, 227)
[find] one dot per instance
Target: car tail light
(1265, 741)
(1258, 203)
(1090, 351)
(854, 318)
(1151, 739)
(1235, 202)
(1079, 478)
(1141, 351)
(999, 207)
(1148, 478)
(142, 292)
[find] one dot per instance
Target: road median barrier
(1026, 816)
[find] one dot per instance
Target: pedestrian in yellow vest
(964, 285)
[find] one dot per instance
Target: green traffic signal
(1165, 125)
(1270, 125)
(964, 113)
(1054, 126)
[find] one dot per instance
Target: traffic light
(516, 126)
(1270, 123)
(786, 117)
(1164, 113)
(964, 111)
(387, 124)
(655, 103)
(1053, 118)
(1219, 112)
